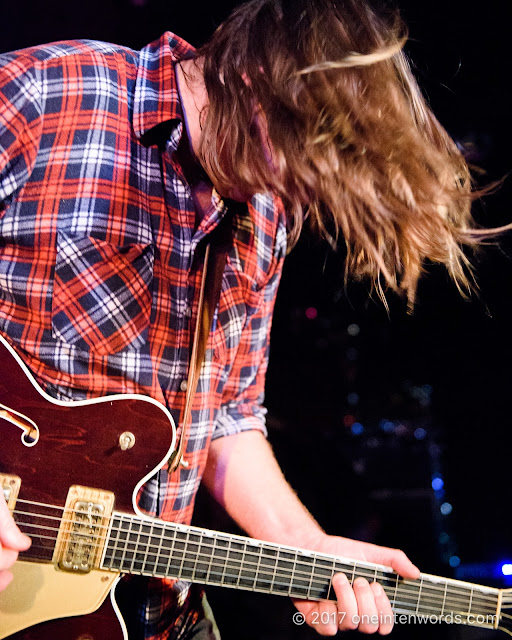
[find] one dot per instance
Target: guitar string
(428, 591)
(371, 573)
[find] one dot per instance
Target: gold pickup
(83, 531)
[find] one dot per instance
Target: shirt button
(183, 385)
(188, 312)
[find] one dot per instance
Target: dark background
(366, 407)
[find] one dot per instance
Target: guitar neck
(169, 550)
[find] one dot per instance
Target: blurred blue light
(446, 508)
(353, 398)
(454, 561)
(437, 484)
(357, 428)
(506, 569)
(420, 433)
(387, 425)
(353, 329)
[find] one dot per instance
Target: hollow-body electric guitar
(65, 470)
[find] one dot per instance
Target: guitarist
(115, 165)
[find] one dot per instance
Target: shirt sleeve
(243, 394)
(20, 123)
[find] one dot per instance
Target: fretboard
(170, 550)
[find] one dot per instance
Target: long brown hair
(353, 142)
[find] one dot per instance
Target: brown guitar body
(78, 445)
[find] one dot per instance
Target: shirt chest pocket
(102, 294)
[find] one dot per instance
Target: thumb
(402, 565)
(10, 535)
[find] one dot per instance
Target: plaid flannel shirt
(100, 259)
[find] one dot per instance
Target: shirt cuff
(232, 419)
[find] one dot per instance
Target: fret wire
(128, 540)
(171, 550)
(210, 551)
(223, 573)
(113, 557)
(194, 569)
(397, 578)
(159, 550)
(257, 567)
(274, 572)
(419, 594)
(180, 572)
(139, 546)
(242, 561)
(329, 590)
(470, 601)
(210, 564)
(353, 575)
(118, 532)
(109, 552)
(128, 531)
(294, 566)
(148, 552)
(228, 551)
(311, 577)
(136, 543)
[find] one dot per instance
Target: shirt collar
(156, 93)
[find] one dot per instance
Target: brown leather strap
(209, 294)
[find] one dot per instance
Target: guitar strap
(209, 295)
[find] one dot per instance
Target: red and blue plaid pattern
(100, 259)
